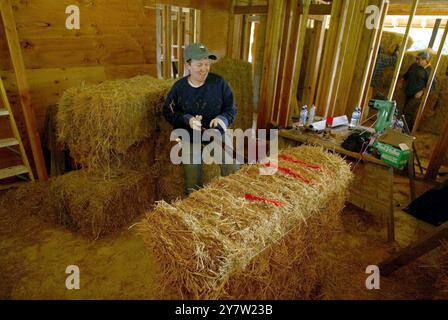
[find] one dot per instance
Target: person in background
(201, 100)
(382, 62)
(415, 81)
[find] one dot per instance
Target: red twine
(289, 172)
(251, 197)
(297, 161)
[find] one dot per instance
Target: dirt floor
(34, 254)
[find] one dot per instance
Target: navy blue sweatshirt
(211, 100)
(416, 79)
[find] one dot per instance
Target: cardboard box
(396, 157)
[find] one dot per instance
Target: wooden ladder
(6, 111)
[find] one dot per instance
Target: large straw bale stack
(93, 206)
(117, 133)
(219, 244)
(238, 74)
(99, 123)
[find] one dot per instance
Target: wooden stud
(315, 9)
(422, 106)
(270, 61)
(315, 57)
(334, 66)
(358, 24)
(197, 25)
(404, 44)
(159, 41)
(167, 42)
(290, 91)
(330, 43)
(231, 29)
(434, 33)
(414, 251)
(247, 23)
(180, 43)
(290, 31)
(347, 38)
(375, 42)
(22, 85)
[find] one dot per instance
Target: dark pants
(410, 110)
(193, 179)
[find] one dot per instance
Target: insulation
(250, 236)
(99, 123)
(239, 75)
(93, 206)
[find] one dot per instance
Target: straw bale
(217, 245)
(238, 74)
(93, 206)
(99, 123)
(389, 41)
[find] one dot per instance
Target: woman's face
(199, 69)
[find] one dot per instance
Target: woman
(200, 101)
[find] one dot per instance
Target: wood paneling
(117, 39)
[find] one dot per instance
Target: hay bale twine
(248, 236)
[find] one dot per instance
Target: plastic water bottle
(312, 114)
(355, 117)
(303, 116)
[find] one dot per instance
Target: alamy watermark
(73, 280)
(210, 146)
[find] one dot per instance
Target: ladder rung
(3, 112)
(4, 143)
(12, 171)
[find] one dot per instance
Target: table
(372, 187)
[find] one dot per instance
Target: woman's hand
(218, 122)
(419, 94)
(195, 123)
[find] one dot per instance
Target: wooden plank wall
(116, 40)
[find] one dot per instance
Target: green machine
(386, 111)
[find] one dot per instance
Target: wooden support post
(180, 43)
(12, 38)
(291, 87)
(348, 38)
(315, 61)
(167, 42)
(246, 38)
(270, 62)
(341, 105)
(422, 106)
(337, 51)
(439, 151)
(371, 62)
(403, 47)
(434, 33)
(197, 25)
(231, 28)
(330, 44)
(289, 32)
(414, 251)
